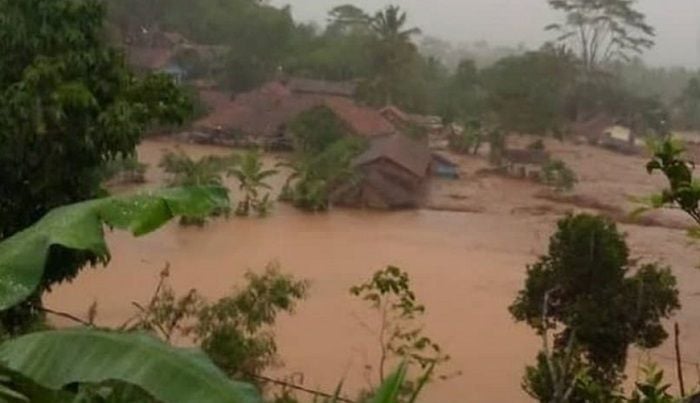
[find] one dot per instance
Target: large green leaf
(81, 226)
(55, 359)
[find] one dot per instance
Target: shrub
(389, 293)
(557, 174)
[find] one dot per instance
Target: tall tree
(461, 98)
(688, 106)
(528, 92)
(68, 104)
(587, 292)
(394, 49)
(600, 31)
(347, 19)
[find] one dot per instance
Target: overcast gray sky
(508, 22)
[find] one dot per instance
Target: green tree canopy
(67, 105)
(528, 93)
(586, 288)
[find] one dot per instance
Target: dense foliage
(313, 178)
(529, 93)
(26, 256)
(235, 331)
(68, 105)
(683, 191)
(87, 364)
(587, 291)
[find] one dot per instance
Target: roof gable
(409, 154)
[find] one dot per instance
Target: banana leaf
(80, 226)
(55, 359)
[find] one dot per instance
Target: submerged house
(262, 116)
(391, 174)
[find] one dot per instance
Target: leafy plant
(234, 331)
(25, 257)
(72, 365)
(652, 388)
(251, 176)
(79, 356)
(205, 171)
(583, 286)
(68, 105)
(557, 174)
(390, 389)
(389, 294)
(314, 177)
(683, 191)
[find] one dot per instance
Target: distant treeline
(522, 89)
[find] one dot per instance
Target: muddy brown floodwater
(466, 268)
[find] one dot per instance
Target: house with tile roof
(264, 114)
(391, 174)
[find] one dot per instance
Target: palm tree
(388, 25)
(251, 176)
(394, 48)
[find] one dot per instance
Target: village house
(391, 175)
(262, 116)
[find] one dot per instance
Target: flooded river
(466, 269)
